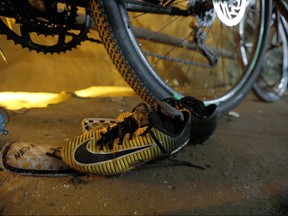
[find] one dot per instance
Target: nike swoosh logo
(83, 156)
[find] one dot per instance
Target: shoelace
(139, 119)
(168, 156)
(159, 113)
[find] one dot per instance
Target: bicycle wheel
(171, 52)
(272, 81)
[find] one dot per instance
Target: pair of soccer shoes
(135, 138)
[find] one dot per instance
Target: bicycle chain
(177, 60)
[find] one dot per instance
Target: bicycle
(133, 46)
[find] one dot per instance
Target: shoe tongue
(141, 107)
(140, 119)
(160, 115)
(140, 115)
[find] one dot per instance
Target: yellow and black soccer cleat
(144, 135)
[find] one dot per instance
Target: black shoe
(203, 118)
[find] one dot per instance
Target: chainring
(60, 24)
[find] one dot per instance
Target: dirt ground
(246, 157)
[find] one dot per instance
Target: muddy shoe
(148, 133)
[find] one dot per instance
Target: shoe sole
(25, 158)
